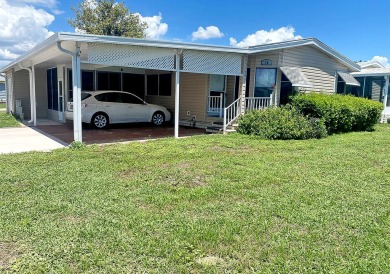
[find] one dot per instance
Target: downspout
(30, 75)
(77, 126)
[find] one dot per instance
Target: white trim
(61, 36)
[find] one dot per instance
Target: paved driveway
(24, 139)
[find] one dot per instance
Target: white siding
(193, 92)
(21, 88)
(318, 67)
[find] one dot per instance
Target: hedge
(281, 123)
(340, 113)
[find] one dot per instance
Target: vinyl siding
(376, 90)
(193, 92)
(230, 89)
(318, 67)
(21, 90)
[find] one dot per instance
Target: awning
(296, 77)
(348, 79)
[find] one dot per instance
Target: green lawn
(2, 105)
(7, 120)
(206, 204)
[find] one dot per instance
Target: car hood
(157, 107)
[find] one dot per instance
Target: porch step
(217, 127)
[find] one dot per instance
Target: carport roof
(88, 38)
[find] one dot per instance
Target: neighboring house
(2, 89)
(374, 84)
(211, 83)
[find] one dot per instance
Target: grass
(2, 105)
(8, 120)
(205, 204)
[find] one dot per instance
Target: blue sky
(358, 29)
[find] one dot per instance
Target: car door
(137, 110)
(113, 105)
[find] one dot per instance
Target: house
(200, 84)
(2, 89)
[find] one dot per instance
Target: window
(165, 84)
(2, 86)
(109, 80)
(286, 89)
(87, 82)
(152, 84)
(265, 82)
(159, 84)
(343, 88)
(217, 83)
(134, 83)
(52, 89)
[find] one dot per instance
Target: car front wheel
(100, 120)
(158, 118)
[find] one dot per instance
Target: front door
(217, 94)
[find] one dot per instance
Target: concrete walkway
(22, 139)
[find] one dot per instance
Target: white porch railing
(215, 104)
(253, 103)
(231, 113)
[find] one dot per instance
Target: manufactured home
(201, 85)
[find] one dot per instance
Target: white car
(101, 108)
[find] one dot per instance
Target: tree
(107, 17)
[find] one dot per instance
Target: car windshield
(84, 95)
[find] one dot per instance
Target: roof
(88, 38)
(307, 41)
(370, 64)
(372, 72)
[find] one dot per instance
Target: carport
(74, 52)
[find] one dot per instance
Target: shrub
(341, 113)
(281, 123)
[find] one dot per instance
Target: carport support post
(386, 92)
(34, 105)
(31, 77)
(177, 90)
(77, 126)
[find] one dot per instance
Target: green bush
(281, 123)
(341, 113)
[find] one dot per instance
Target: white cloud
(6, 54)
(207, 33)
(44, 3)
(381, 59)
(21, 28)
(155, 27)
(266, 37)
